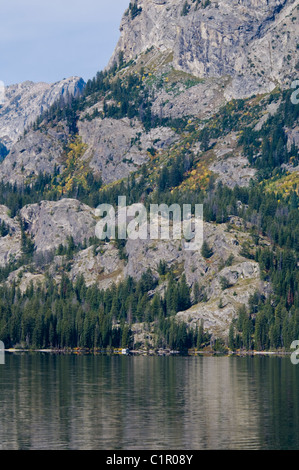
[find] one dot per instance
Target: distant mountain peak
(25, 101)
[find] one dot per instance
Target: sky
(48, 40)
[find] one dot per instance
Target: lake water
(162, 403)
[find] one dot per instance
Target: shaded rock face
(293, 137)
(10, 244)
(201, 100)
(36, 153)
(104, 268)
(248, 40)
(115, 148)
(24, 102)
(51, 223)
(229, 164)
(118, 147)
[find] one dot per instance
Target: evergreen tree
(184, 301)
(231, 337)
(206, 251)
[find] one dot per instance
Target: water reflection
(86, 402)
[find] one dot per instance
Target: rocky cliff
(51, 224)
(195, 57)
(250, 41)
(24, 102)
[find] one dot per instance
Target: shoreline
(151, 352)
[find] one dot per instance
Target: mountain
(249, 41)
(24, 102)
(196, 106)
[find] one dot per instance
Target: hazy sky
(48, 40)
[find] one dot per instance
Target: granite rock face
(251, 41)
(103, 268)
(118, 147)
(210, 52)
(36, 153)
(10, 244)
(51, 223)
(229, 164)
(26, 101)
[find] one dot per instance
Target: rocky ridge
(25, 102)
(194, 60)
(50, 224)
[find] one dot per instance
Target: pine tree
(184, 294)
(206, 251)
(231, 337)
(200, 336)
(196, 293)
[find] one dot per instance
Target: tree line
(72, 314)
